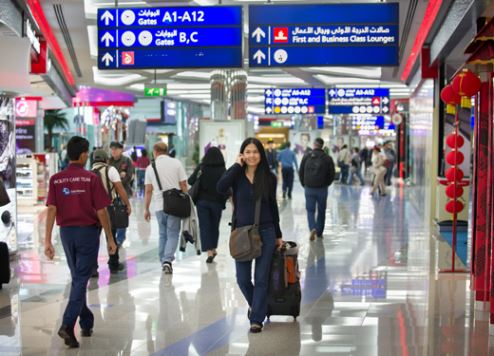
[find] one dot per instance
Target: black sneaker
(167, 267)
(255, 328)
(68, 336)
(289, 196)
(86, 332)
(95, 274)
(117, 268)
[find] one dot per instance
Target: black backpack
(318, 170)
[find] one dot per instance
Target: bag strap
(156, 174)
(257, 213)
(110, 185)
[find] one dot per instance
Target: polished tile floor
(369, 288)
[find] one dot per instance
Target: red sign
(39, 63)
(280, 35)
(376, 101)
(311, 109)
(128, 58)
(26, 108)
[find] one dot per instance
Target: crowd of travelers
(102, 197)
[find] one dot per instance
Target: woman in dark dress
(251, 179)
(209, 203)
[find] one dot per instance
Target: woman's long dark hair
(263, 178)
(213, 157)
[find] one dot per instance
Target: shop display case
(27, 179)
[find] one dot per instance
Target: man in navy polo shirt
(78, 201)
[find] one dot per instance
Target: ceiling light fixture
(374, 72)
(114, 79)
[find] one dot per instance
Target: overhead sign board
(295, 101)
(170, 37)
(323, 35)
(358, 101)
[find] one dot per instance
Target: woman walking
(209, 203)
(141, 164)
(251, 179)
(379, 171)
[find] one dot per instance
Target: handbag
(195, 188)
(175, 202)
(119, 217)
(246, 241)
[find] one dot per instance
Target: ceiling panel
(82, 30)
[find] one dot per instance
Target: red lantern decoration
(453, 189)
(450, 140)
(450, 98)
(454, 172)
(455, 157)
(466, 83)
(454, 207)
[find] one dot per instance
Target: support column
(39, 130)
(238, 95)
(480, 245)
(219, 96)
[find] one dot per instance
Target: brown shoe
(313, 234)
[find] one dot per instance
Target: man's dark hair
(287, 144)
(76, 146)
(356, 149)
(319, 142)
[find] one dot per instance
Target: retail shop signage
(323, 35)
(170, 37)
(154, 91)
(294, 101)
(358, 101)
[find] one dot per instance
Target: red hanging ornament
(454, 207)
(450, 140)
(466, 84)
(450, 98)
(454, 172)
(453, 188)
(455, 157)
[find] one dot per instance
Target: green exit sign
(154, 91)
(276, 124)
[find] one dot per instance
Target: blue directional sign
(358, 101)
(170, 37)
(323, 35)
(294, 101)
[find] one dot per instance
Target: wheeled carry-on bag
(4, 264)
(284, 292)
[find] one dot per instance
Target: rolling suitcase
(284, 292)
(4, 264)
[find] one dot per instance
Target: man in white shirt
(113, 185)
(172, 176)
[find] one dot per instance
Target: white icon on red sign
(376, 101)
(280, 34)
(128, 58)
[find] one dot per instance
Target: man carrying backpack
(316, 175)
(114, 188)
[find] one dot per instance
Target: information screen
(323, 35)
(170, 37)
(295, 101)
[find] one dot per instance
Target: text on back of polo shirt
(72, 180)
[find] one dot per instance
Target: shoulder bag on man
(246, 241)
(119, 216)
(175, 202)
